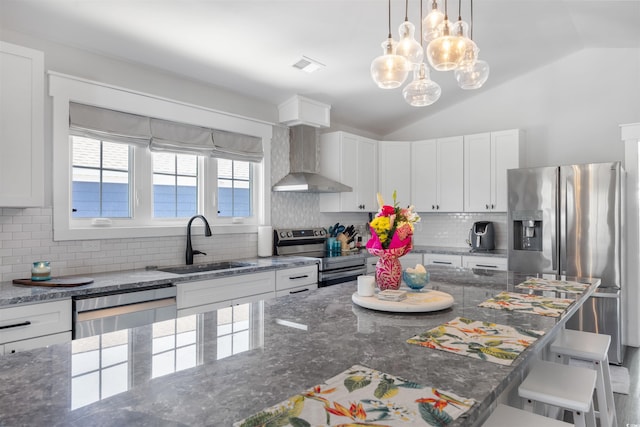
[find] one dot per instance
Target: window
(100, 179)
(234, 188)
(131, 164)
(175, 185)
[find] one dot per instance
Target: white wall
(570, 109)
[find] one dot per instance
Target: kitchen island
(232, 370)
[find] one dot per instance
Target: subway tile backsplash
(26, 235)
(452, 229)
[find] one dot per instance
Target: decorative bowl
(415, 281)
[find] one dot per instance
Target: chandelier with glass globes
(450, 47)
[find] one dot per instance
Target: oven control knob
(283, 234)
(289, 234)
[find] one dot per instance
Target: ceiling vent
(308, 65)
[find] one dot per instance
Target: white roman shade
(234, 146)
(101, 123)
(162, 135)
(180, 138)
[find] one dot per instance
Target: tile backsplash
(26, 235)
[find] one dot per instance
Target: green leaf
(433, 416)
(410, 384)
(466, 321)
(386, 389)
(298, 422)
(493, 343)
(356, 382)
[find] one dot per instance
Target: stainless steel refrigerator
(568, 220)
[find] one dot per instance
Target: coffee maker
(481, 236)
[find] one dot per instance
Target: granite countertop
(11, 293)
(291, 343)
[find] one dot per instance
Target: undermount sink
(213, 266)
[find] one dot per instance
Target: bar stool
(506, 416)
(565, 387)
(593, 348)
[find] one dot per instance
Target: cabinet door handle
(486, 266)
(433, 207)
(437, 207)
(299, 291)
(298, 277)
(16, 325)
(486, 206)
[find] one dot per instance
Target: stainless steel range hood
(303, 176)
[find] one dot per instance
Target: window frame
(65, 89)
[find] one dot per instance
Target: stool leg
(608, 392)
(581, 419)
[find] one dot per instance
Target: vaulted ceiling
(249, 46)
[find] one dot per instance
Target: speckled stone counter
(296, 342)
(128, 280)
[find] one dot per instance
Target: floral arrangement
(392, 225)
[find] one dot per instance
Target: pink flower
(404, 231)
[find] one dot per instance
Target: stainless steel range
(312, 242)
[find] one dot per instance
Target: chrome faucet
(207, 232)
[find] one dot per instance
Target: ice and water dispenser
(527, 230)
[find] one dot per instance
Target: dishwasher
(112, 311)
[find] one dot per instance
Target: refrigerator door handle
(566, 214)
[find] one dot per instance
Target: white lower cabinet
(296, 280)
(371, 264)
(410, 260)
(443, 260)
(28, 326)
(485, 262)
(211, 294)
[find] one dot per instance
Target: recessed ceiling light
(308, 65)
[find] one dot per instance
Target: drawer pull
(486, 265)
(16, 325)
(299, 291)
(299, 277)
(442, 262)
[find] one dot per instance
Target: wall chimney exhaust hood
(304, 115)
(303, 178)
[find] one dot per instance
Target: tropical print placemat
(540, 284)
(544, 306)
(362, 396)
(482, 340)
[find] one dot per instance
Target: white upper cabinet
(437, 175)
(351, 160)
(21, 126)
(487, 157)
(395, 170)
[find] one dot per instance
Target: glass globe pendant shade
(389, 70)
(408, 46)
(422, 91)
(472, 76)
(431, 22)
(470, 54)
(445, 52)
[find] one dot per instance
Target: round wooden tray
(415, 302)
